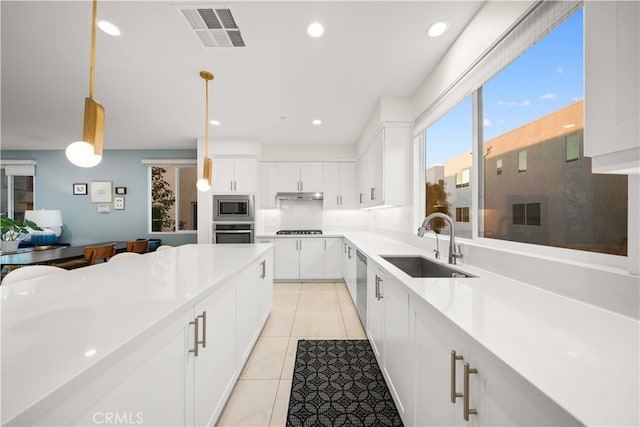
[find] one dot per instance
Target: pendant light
(204, 183)
(88, 152)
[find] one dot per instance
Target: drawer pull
(203, 316)
(194, 322)
(467, 411)
(454, 393)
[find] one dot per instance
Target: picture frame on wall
(121, 190)
(101, 191)
(118, 203)
(80, 189)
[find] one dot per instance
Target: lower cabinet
(308, 258)
(182, 373)
(349, 268)
(495, 395)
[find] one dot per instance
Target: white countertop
(584, 358)
(55, 328)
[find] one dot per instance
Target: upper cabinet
(612, 67)
(268, 184)
(295, 177)
(339, 185)
(234, 175)
(384, 168)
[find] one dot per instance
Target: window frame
(164, 163)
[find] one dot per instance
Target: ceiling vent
(214, 26)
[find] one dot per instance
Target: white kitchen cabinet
(265, 287)
(332, 258)
(249, 316)
(287, 261)
(268, 185)
(296, 177)
(311, 258)
(384, 168)
(612, 67)
(499, 395)
(349, 268)
(375, 310)
(339, 185)
(234, 175)
(216, 357)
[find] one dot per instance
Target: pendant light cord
(206, 119)
(92, 64)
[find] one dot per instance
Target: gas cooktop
(299, 232)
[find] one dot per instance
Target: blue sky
(545, 78)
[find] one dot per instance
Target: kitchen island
(155, 339)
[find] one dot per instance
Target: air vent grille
(214, 26)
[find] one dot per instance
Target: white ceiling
(148, 80)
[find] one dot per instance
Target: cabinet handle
(231, 185)
(454, 358)
(349, 252)
(325, 245)
(467, 371)
(301, 185)
(264, 269)
(345, 248)
(203, 316)
(340, 200)
(194, 322)
(300, 244)
(377, 283)
(380, 280)
(373, 193)
(360, 197)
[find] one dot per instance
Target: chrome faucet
(453, 255)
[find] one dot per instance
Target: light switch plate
(118, 203)
(103, 208)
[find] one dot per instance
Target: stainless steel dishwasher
(361, 288)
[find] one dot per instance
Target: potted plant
(13, 231)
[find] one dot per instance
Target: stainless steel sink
(417, 266)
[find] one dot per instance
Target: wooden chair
(139, 246)
(30, 272)
(91, 255)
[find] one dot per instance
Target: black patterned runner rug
(339, 383)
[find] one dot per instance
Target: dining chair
(30, 272)
(123, 255)
(91, 255)
(139, 246)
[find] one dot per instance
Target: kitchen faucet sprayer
(453, 255)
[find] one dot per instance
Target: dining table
(56, 253)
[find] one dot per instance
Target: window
(173, 196)
(462, 214)
(534, 108)
(526, 214)
(17, 189)
(448, 144)
(571, 147)
(522, 161)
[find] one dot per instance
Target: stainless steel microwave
(233, 207)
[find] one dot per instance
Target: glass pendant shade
(203, 184)
(81, 153)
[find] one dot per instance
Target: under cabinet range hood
(299, 196)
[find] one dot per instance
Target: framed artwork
(80, 189)
(121, 190)
(101, 191)
(118, 203)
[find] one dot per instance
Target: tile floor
(300, 311)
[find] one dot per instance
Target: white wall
(308, 152)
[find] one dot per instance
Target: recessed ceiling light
(315, 29)
(109, 28)
(214, 122)
(317, 122)
(438, 28)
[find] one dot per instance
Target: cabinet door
(222, 176)
(433, 345)
(248, 310)
(287, 258)
(375, 310)
(352, 272)
(245, 175)
(265, 284)
(331, 185)
(347, 185)
(311, 258)
(376, 170)
(332, 258)
(268, 184)
(288, 177)
(149, 386)
(215, 366)
(397, 344)
(311, 177)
